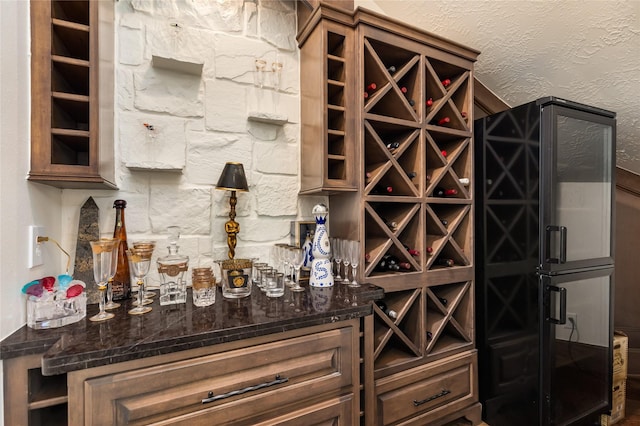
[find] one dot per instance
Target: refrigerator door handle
(563, 244)
(563, 305)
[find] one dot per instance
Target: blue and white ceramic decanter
(321, 273)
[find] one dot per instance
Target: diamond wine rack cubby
(409, 100)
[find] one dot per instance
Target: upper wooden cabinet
(72, 93)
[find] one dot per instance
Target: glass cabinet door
(576, 345)
(578, 161)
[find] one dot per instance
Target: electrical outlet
(36, 253)
(571, 316)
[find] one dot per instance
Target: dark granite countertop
(173, 328)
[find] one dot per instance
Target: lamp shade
(232, 178)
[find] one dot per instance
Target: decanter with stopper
(173, 287)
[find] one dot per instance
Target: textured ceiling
(585, 51)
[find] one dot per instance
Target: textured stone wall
(188, 99)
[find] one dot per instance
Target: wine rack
(412, 203)
(72, 91)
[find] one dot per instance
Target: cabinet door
(576, 345)
(578, 148)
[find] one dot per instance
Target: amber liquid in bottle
(121, 281)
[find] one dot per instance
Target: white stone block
(222, 15)
(276, 195)
(265, 229)
(136, 213)
(276, 158)
(278, 27)
(263, 131)
(176, 40)
(170, 92)
(188, 207)
(161, 149)
(208, 152)
(235, 57)
(225, 106)
(124, 88)
(221, 206)
(130, 46)
(250, 19)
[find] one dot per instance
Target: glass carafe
(173, 287)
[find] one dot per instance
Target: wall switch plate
(36, 252)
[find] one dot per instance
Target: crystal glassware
(355, 260)
(297, 260)
(146, 245)
(102, 259)
(172, 267)
(336, 250)
(140, 261)
(345, 248)
(114, 266)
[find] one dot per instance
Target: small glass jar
(236, 278)
(203, 284)
(172, 267)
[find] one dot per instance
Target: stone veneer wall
(187, 69)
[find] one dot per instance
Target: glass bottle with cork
(122, 280)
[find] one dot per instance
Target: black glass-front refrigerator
(544, 263)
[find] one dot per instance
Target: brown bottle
(121, 281)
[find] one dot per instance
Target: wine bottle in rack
(412, 252)
(391, 224)
(384, 308)
(442, 300)
(444, 121)
(391, 69)
(367, 257)
(429, 335)
(446, 82)
(411, 174)
(371, 87)
(464, 181)
(444, 153)
(382, 189)
(464, 115)
(367, 177)
(444, 192)
(404, 266)
(444, 222)
(429, 102)
(429, 250)
(404, 90)
(392, 146)
(388, 263)
(443, 261)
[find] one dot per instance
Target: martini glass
(114, 266)
(102, 259)
(140, 262)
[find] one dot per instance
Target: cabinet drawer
(239, 384)
(432, 390)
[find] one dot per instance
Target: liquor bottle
(391, 69)
(443, 192)
(382, 189)
(429, 102)
(441, 261)
(412, 252)
(446, 82)
(384, 308)
(121, 288)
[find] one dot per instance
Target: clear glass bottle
(173, 286)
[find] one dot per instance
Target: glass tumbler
(203, 284)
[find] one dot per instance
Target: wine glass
(140, 261)
(345, 248)
(114, 266)
(355, 259)
(297, 260)
(146, 245)
(337, 256)
(102, 259)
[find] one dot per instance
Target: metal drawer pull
(212, 398)
(431, 398)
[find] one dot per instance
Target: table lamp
(232, 179)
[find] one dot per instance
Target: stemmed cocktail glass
(102, 259)
(297, 260)
(114, 266)
(140, 262)
(354, 255)
(336, 251)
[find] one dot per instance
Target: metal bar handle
(431, 398)
(563, 305)
(563, 244)
(211, 398)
